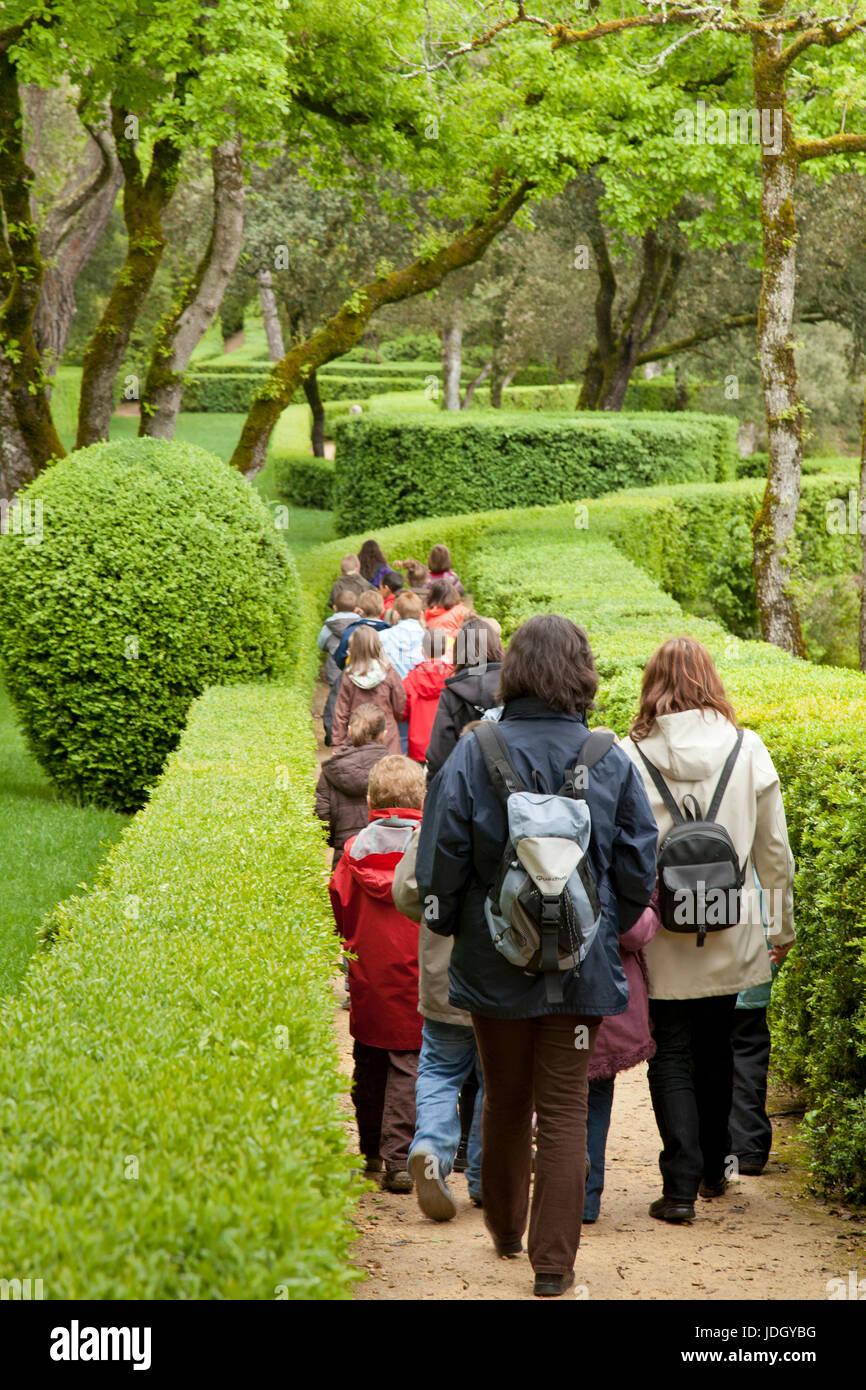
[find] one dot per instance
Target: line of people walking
(531, 907)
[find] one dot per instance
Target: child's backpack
(700, 879)
(543, 909)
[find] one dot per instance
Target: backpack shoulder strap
(500, 768)
(594, 749)
(662, 788)
(725, 777)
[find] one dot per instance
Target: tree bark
(22, 380)
(186, 326)
(144, 200)
(345, 328)
(470, 389)
(314, 401)
(619, 347)
(72, 228)
(451, 335)
(270, 316)
(773, 528)
(861, 526)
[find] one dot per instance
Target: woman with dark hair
(371, 558)
(535, 1049)
(684, 741)
(477, 662)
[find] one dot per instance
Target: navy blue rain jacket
(463, 834)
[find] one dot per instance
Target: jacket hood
(338, 622)
(373, 676)
(348, 771)
(477, 687)
(427, 678)
(377, 849)
(689, 746)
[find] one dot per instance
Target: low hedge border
(304, 481)
(172, 1127)
(812, 718)
(391, 469)
(230, 392)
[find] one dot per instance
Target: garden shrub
(304, 481)
(812, 718)
(390, 468)
(159, 572)
(235, 391)
(172, 1124)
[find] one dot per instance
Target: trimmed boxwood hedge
(171, 1126)
(390, 468)
(812, 718)
(304, 481)
(230, 392)
(159, 572)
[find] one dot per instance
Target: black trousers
(691, 1083)
(750, 1129)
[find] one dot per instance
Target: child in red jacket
(383, 979)
(423, 686)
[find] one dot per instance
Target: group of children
(392, 643)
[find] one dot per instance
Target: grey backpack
(543, 909)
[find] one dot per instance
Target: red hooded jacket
(383, 981)
(423, 686)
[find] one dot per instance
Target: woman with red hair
(683, 742)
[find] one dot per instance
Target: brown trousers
(383, 1093)
(535, 1063)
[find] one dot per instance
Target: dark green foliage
(392, 468)
(304, 481)
(159, 572)
(219, 390)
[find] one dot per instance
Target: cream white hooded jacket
(689, 750)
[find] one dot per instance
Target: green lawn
(48, 847)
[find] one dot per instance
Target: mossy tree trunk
(861, 515)
(29, 440)
(345, 328)
(144, 200)
(270, 315)
(773, 529)
(185, 326)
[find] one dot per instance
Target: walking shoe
(475, 1200)
(434, 1195)
(396, 1180)
(752, 1165)
(461, 1160)
(506, 1249)
(669, 1209)
(372, 1165)
(553, 1285)
(713, 1189)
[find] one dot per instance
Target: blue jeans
(448, 1056)
(597, 1126)
(403, 726)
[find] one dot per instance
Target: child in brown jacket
(369, 678)
(341, 793)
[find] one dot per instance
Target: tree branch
(843, 143)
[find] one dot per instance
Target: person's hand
(778, 953)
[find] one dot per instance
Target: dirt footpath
(762, 1240)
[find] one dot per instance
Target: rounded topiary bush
(136, 574)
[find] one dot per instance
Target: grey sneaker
(434, 1195)
(396, 1180)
